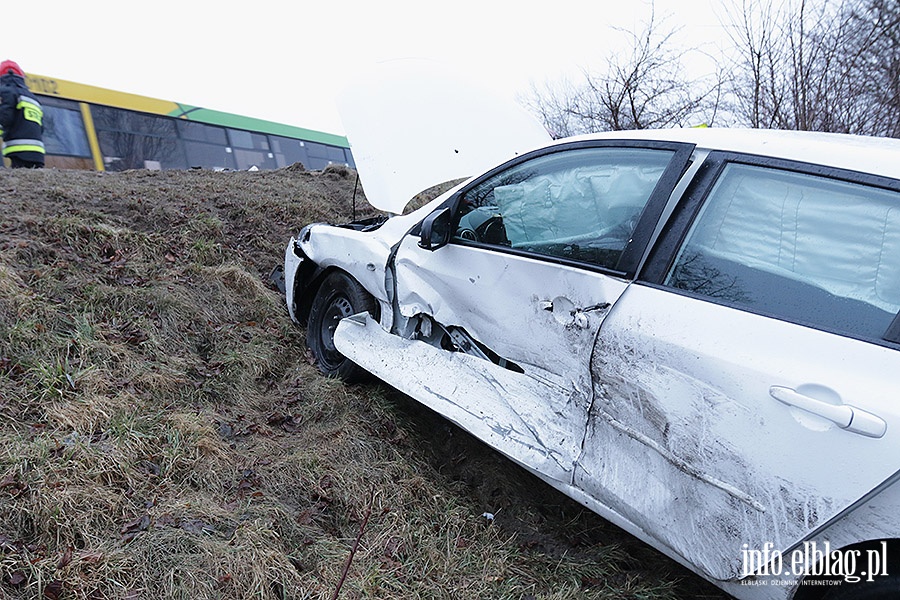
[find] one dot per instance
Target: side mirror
(435, 231)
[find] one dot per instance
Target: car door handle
(844, 416)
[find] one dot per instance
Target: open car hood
(413, 124)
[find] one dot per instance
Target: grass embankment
(163, 435)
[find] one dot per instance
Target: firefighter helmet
(8, 65)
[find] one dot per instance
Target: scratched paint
(527, 418)
(685, 440)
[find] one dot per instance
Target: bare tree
(820, 65)
(552, 103)
(876, 47)
(642, 87)
(816, 65)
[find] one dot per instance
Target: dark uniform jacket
(21, 119)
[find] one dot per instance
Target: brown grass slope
(163, 435)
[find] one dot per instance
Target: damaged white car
(694, 333)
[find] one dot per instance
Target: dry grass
(163, 435)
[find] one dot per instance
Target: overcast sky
(287, 61)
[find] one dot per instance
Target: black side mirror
(435, 231)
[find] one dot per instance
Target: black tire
(339, 296)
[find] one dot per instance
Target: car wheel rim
(339, 308)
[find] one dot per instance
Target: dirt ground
(163, 433)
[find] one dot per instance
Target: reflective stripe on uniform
(23, 100)
(23, 146)
(12, 149)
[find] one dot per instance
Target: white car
(692, 332)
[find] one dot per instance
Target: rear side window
(799, 247)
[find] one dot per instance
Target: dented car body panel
(529, 418)
(693, 333)
(673, 393)
(559, 312)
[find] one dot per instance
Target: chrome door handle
(844, 416)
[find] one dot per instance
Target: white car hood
(412, 124)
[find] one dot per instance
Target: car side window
(799, 247)
(579, 204)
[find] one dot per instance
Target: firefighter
(21, 119)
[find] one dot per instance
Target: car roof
(876, 155)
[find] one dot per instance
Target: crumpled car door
(541, 251)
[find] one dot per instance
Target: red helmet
(8, 65)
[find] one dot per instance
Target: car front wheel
(338, 297)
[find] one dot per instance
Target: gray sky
(287, 61)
